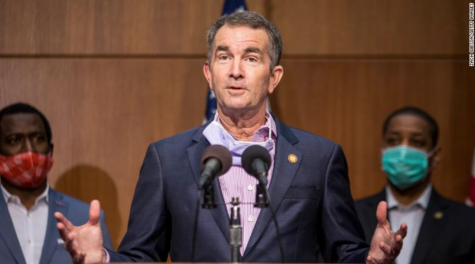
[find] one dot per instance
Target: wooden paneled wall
(113, 76)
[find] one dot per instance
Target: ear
(380, 155)
(207, 73)
(436, 158)
(275, 78)
(51, 148)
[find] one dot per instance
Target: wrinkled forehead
(409, 124)
(21, 123)
(240, 35)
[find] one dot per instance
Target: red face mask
(26, 170)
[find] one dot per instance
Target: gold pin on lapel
(292, 158)
(438, 215)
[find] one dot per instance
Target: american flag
(471, 193)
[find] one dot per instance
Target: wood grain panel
(161, 27)
(348, 100)
(104, 113)
(372, 27)
(135, 77)
(108, 26)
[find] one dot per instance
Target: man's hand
(385, 245)
(84, 243)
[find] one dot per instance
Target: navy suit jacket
(314, 207)
(53, 248)
(447, 233)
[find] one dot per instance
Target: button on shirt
(412, 215)
(237, 183)
(30, 225)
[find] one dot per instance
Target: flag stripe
(471, 192)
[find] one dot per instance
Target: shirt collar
(8, 196)
(422, 201)
(262, 133)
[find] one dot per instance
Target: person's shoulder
(459, 215)
(77, 205)
(370, 202)
(371, 198)
(62, 198)
(74, 208)
(460, 208)
(316, 148)
(183, 138)
(308, 137)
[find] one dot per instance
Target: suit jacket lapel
(434, 219)
(219, 213)
(282, 176)
(7, 231)
(56, 204)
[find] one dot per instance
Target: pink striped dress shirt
(237, 183)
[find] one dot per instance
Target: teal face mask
(405, 166)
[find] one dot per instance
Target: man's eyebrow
(252, 50)
(222, 48)
(393, 132)
(398, 133)
(32, 133)
(417, 134)
(13, 134)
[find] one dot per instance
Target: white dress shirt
(30, 225)
(412, 215)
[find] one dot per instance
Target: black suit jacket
(446, 239)
(312, 198)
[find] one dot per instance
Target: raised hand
(84, 243)
(385, 244)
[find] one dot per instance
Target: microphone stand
(277, 229)
(262, 201)
(208, 197)
(208, 203)
(235, 231)
(261, 197)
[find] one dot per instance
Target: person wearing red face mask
(443, 231)
(28, 232)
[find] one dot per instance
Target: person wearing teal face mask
(439, 230)
(405, 166)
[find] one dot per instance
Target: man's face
(239, 71)
(21, 133)
(408, 130)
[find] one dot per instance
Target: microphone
(256, 161)
(216, 160)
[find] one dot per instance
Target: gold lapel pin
(293, 158)
(438, 215)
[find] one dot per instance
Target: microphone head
(255, 152)
(222, 154)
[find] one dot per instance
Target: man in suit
(441, 230)
(308, 179)
(28, 233)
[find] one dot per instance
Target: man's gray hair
(252, 20)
